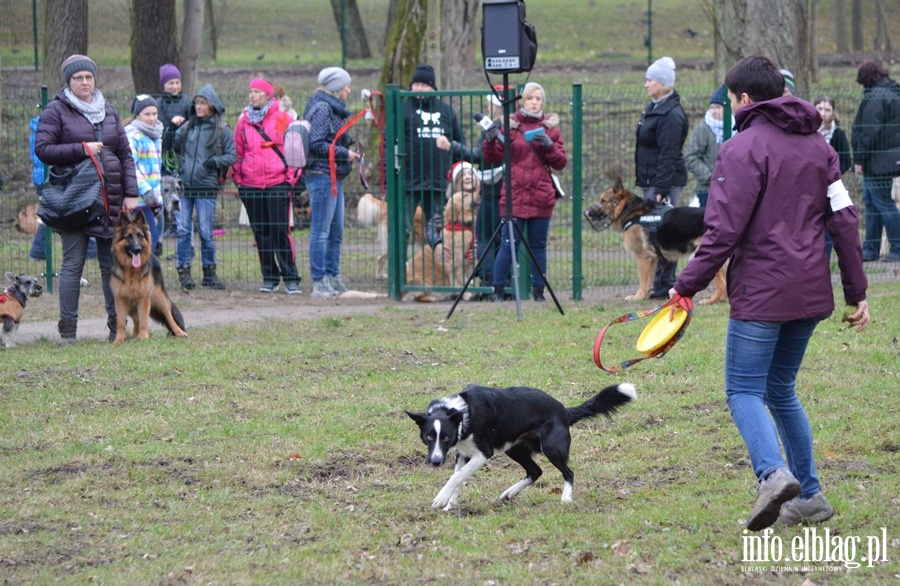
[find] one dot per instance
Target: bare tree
(65, 33)
(153, 32)
(774, 28)
(856, 24)
(813, 32)
(439, 33)
(191, 42)
(882, 36)
(356, 45)
(840, 26)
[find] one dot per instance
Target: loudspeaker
(508, 41)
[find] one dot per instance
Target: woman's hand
(859, 318)
(129, 204)
(92, 147)
(177, 120)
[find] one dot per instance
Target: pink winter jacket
(258, 165)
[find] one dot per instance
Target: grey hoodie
(196, 141)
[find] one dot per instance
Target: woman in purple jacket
(776, 187)
(80, 114)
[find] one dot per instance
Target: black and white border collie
(519, 421)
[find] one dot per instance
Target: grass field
(279, 453)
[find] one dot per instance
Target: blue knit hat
(719, 97)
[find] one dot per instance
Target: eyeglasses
(83, 78)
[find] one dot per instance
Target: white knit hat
(663, 71)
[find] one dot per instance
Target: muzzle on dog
(598, 220)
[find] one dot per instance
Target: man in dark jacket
(174, 108)
(426, 118)
(876, 149)
(776, 187)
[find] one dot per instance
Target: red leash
(367, 111)
(684, 302)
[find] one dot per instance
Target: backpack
(38, 169)
(296, 144)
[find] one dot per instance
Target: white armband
(839, 196)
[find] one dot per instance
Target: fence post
(577, 197)
(48, 233)
(394, 186)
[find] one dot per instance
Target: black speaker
(508, 41)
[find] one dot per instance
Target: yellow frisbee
(660, 330)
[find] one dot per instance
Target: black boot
(499, 295)
(66, 328)
(663, 279)
(112, 324)
(210, 279)
(537, 293)
(184, 275)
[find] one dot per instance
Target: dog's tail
(159, 315)
(606, 402)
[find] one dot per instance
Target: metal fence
(609, 118)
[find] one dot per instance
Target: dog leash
(683, 302)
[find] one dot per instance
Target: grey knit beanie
(75, 63)
(334, 78)
(143, 101)
(662, 71)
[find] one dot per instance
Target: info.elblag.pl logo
(812, 547)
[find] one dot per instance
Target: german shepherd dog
(520, 421)
(678, 234)
(137, 281)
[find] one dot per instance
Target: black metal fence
(606, 140)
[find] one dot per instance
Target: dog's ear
(618, 184)
(10, 278)
(124, 218)
(455, 416)
(139, 219)
(419, 418)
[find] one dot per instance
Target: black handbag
(73, 200)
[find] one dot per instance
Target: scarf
(827, 132)
(715, 125)
(95, 112)
(151, 132)
(536, 115)
(256, 115)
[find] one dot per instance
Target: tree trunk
(65, 33)
(403, 48)
(774, 28)
(356, 45)
(153, 32)
(856, 25)
(460, 22)
(882, 36)
(813, 31)
(191, 42)
(840, 26)
(212, 29)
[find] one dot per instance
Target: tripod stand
(508, 223)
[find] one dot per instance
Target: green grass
(278, 453)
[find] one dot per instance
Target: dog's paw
(444, 499)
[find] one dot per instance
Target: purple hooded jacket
(767, 211)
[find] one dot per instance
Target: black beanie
(424, 74)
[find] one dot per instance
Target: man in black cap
(426, 118)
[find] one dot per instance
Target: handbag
(557, 185)
(73, 200)
(885, 162)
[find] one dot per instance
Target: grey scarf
(95, 112)
(151, 132)
(256, 115)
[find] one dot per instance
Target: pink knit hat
(262, 85)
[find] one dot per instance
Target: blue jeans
(75, 253)
(537, 242)
(761, 364)
(881, 212)
(150, 216)
(326, 230)
(206, 210)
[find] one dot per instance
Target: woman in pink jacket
(264, 185)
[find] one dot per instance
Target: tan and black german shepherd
(678, 234)
(137, 281)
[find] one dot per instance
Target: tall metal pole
(649, 32)
(34, 28)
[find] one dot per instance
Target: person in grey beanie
(76, 123)
(659, 165)
(326, 111)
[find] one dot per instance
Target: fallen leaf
(582, 557)
(621, 547)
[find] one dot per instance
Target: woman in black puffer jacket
(80, 114)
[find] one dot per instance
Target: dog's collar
(15, 294)
(458, 227)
